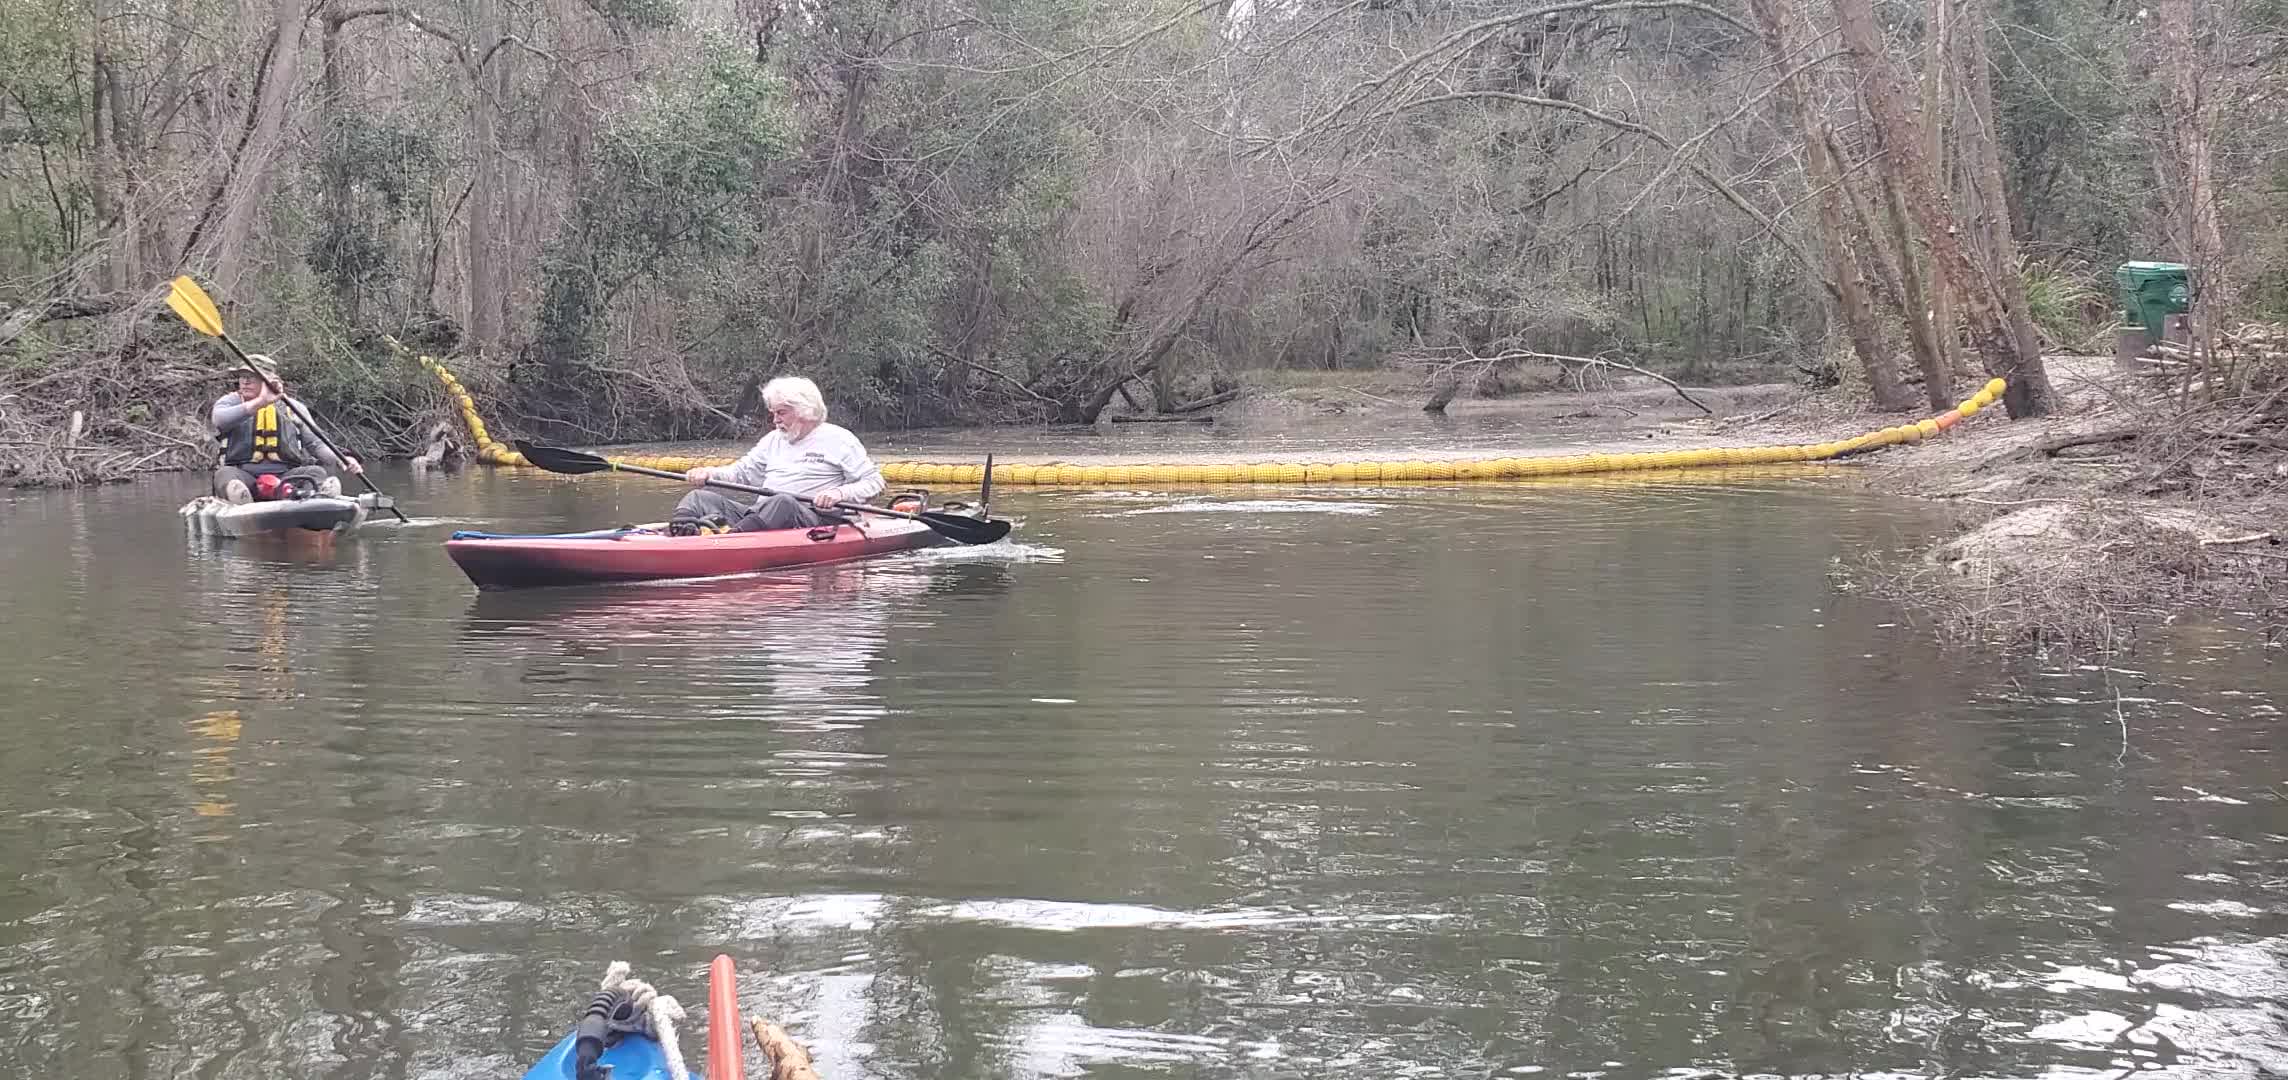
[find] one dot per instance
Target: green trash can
(2151, 292)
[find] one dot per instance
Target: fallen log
(57, 308)
(1208, 402)
(2051, 447)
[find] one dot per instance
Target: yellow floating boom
(1310, 472)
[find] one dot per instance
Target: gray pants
(246, 473)
(776, 512)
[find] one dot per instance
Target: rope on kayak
(647, 1012)
(1063, 474)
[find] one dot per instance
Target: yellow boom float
(1311, 472)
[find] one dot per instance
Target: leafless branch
(1730, 193)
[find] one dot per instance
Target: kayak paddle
(197, 309)
(965, 530)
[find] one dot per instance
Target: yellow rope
(1301, 472)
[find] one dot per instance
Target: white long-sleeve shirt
(828, 457)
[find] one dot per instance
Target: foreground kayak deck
(648, 553)
(633, 1057)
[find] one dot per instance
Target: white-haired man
(810, 463)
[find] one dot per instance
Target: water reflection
(212, 773)
(797, 646)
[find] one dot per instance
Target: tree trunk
(1163, 388)
(107, 174)
(2188, 173)
(1985, 167)
(834, 203)
(486, 281)
(341, 216)
(243, 198)
(1928, 312)
(1846, 285)
(1934, 312)
(2028, 391)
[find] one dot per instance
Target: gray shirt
(230, 410)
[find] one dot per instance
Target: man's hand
(266, 397)
(826, 499)
(352, 466)
(700, 476)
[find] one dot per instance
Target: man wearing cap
(265, 445)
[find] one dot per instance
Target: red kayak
(648, 553)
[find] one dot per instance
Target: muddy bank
(2081, 532)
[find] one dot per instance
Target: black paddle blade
(556, 459)
(964, 530)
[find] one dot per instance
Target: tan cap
(259, 362)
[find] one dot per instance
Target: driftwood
(789, 1061)
(2228, 540)
(440, 444)
(2051, 447)
(1163, 419)
(1208, 402)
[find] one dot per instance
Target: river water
(1589, 779)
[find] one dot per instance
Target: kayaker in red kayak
(266, 447)
(811, 464)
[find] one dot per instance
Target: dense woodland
(618, 216)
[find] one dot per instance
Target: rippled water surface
(1589, 779)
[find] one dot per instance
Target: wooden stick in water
(789, 1061)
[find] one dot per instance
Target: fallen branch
(996, 373)
(56, 308)
(163, 436)
(1208, 402)
(1768, 414)
(1364, 394)
(2051, 447)
(54, 447)
(137, 464)
(1515, 355)
(2249, 539)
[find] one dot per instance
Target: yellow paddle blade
(193, 304)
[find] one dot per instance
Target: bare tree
(2186, 164)
(243, 184)
(1845, 282)
(2008, 355)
